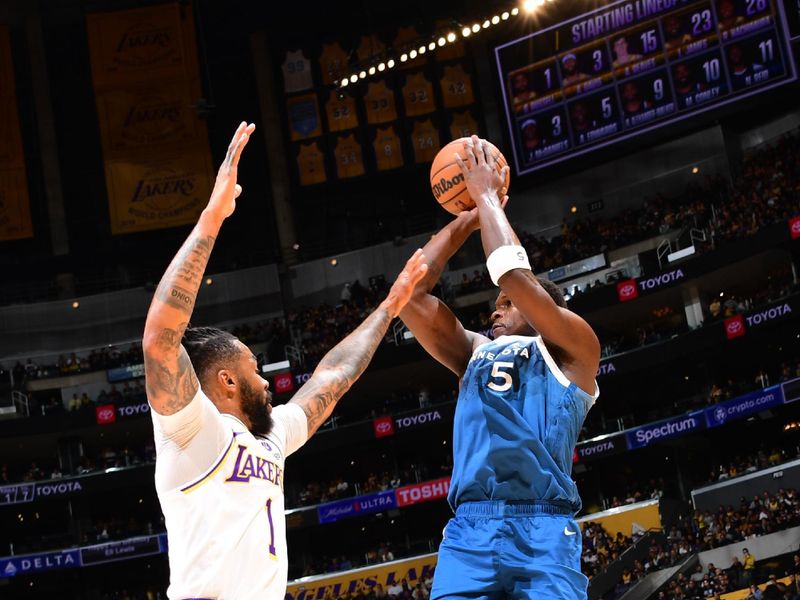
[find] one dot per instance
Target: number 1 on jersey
(498, 373)
(268, 508)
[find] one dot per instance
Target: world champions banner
(146, 80)
(15, 211)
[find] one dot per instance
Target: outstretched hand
(226, 190)
(405, 283)
(480, 170)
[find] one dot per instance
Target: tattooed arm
(345, 362)
(169, 377)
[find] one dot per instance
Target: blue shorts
(495, 550)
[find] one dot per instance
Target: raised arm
(559, 326)
(429, 319)
(170, 380)
(345, 362)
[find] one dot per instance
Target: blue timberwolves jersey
(516, 424)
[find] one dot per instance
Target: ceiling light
(432, 46)
(529, 6)
(495, 20)
(486, 23)
(514, 11)
(76, 304)
(476, 28)
(412, 55)
(344, 82)
(353, 78)
(505, 16)
(421, 50)
(363, 74)
(451, 37)
(382, 67)
(465, 32)
(372, 70)
(441, 41)
(403, 57)
(390, 64)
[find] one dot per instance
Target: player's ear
(227, 380)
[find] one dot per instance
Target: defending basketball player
(220, 445)
(522, 401)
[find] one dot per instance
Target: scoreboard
(633, 66)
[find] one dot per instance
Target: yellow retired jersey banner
(15, 210)
(163, 192)
(135, 119)
(143, 44)
(146, 83)
(414, 570)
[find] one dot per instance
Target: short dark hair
(209, 347)
(555, 292)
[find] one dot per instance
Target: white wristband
(505, 259)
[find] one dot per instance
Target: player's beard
(254, 407)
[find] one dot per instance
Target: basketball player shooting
(220, 445)
(523, 398)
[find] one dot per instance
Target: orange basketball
(447, 181)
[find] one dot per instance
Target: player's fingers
(504, 172)
(419, 273)
(414, 260)
(469, 152)
(461, 164)
(503, 202)
(245, 137)
(237, 191)
(234, 141)
(491, 159)
(480, 155)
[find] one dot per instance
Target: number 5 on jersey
(501, 370)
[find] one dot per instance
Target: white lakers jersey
(226, 527)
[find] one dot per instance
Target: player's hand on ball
(481, 176)
(226, 190)
(406, 281)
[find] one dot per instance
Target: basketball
(447, 181)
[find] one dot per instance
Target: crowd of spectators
(600, 548)
(97, 359)
(384, 552)
(706, 530)
(749, 464)
(105, 458)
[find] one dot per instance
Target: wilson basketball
(447, 181)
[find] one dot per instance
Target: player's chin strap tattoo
(341, 367)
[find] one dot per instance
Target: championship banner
(15, 210)
(133, 120)
(142, 45)
(146, 81)
(414, 570)
(160, 193)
